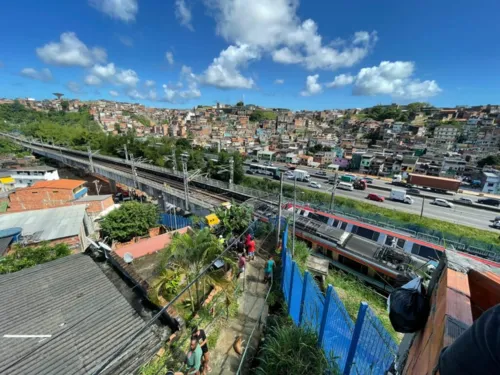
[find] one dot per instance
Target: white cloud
(224, 71)
(312, 86)
(136, 95)
(70, 51)
(114, 93)
(74, 87)
(150, 83)
(279, 81)
(174, 93)
(126, 40)
(92, 80)
(43, 75)
(183, 14)
(170, 57)
(275, 27)
(286, 56)
(111, 74)
(341, 80)
(124, 10)
(127, 77)
(395, 79)
(152, 95)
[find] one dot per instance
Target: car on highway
(368, 180)
(314, 184)
(375, 197)
(489, 202)
(268, 164)
(255, 161)
(442, 203)
(464, 200)
(413, 191)
(321, 173)
(496, 224)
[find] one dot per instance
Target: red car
(375, 197)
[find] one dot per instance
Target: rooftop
(61, 184)
(39, 168)
(92, 198)
(81, 312)
(48, 224)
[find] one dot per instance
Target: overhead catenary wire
(117, 352)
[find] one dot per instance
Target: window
(55, 191)
(34, 192)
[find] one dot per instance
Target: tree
(65, 105)
(236, 219)
(24, 257)
(131, 220)
(489, 160)
(240, 104)
(190, 253)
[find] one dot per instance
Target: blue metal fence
(360, 347)
(174, 221)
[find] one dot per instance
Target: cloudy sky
(278, 53)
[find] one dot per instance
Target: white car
(314, 184)
(442, 203)
(466, 201)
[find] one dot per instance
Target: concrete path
(224, 360)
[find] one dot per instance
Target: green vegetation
(381, 113)
(25, 257)
(8, 147)
(292, 350)
(259, 115)
(398, 218)
(78, 130)
(132, 219)
(352, 292)
(236, 219)
(143, 120)
(300, 254)
(489, 160)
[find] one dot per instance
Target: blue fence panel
(338, 331)
(287, 275)
(376, 349)
(296, 297)
(174, 221)
(314, 302)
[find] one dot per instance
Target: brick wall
(95, 207)
(30, 199)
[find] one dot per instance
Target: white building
(446, 132)
(491, 183)
(27, 176)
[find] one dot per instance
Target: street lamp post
(184, 158)
(126, 152)
(294, 213)
(89, 151)
(332, 200)
(280, 203)
(231, 172)
(134, 171)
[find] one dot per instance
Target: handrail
(255, 326)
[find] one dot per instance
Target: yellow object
(6, 180)
(212, 220)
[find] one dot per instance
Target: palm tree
(189, 254)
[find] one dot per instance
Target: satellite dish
(93, 243)
(128, 258)
(104, 246)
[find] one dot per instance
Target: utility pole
(422, 210)
(97, 186)
(184, 158)
(174, 160)
(280, 203)
(332, 200)
(294, 213)
(134, 171)
(89, 151)
(126, 152)
(231, 172)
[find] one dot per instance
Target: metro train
(380, 257)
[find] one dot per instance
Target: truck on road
(436, 184)
(400, 196)
(301, 175)
(359, 185)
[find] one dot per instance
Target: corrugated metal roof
(73, 301)
(53, 223)
(92, 198)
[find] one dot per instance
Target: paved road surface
(459, 214)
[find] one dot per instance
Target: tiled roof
(71, 300)
(57, 184)
(149, 245)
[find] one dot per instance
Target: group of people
(246, 249)
(198, 356)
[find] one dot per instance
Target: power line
(163, 309)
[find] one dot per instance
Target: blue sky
(277, 53)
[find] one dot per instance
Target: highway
(464, 215)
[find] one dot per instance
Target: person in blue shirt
(268, 271)
(194, 355)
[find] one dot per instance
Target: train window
(335, 223)
(401, 242)
(388, 240)
(429, 253)
(343, 226)
(415, 249)
(323, 218)
(375, 236)
(364, 232)
(354, 229)
(353, 265)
